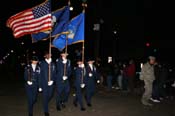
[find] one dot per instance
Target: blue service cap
(34, 58)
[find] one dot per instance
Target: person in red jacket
(131, 71)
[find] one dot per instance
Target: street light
(115, 40)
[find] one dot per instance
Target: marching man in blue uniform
(32, 79)
(90, 80)
(79, 84)
(48, 73)
(63, 66)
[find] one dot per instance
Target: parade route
(13, 102)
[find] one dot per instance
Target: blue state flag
(60, 17)
(75, 29)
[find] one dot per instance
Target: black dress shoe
(63, 105)
(58, 108)
(90, 105)
(30, 114)
(83, 109)
(75, 104)
(46, 114)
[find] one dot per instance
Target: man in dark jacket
(90, 80)
(79, 84)
(48, 73)
(32, 83)
(63, 66)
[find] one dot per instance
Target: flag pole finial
(84, 5)
(69, 3)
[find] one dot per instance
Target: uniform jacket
(60, 69)
(78, 76)
(32, 75)
(90, 80)
(45, 72)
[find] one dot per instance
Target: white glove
(50, 83)
(64, 61)
(29, 83)
(82, 65)
(82, 85)
(73, 94)
(64, 78)
(98, 81)
(173, 85)
(90, 74)
(40, 89)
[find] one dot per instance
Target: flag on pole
(60, 17)
(75, 30)
(32, 20)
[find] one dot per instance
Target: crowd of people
(121, 76)
(156, 78)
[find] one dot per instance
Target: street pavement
(13, 102)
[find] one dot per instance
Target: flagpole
(28, 64)
(66, 33)
(82, 78)
(66, 53)
(84, 5)
(50, 46)
(49, 66)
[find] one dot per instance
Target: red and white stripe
(24, 23)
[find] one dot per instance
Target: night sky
(135, 21)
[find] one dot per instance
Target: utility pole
(97, 29)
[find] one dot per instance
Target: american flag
(33, 20)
